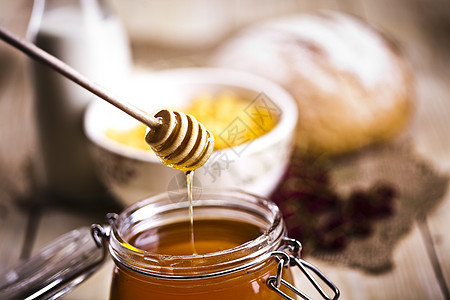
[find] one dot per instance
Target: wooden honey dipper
(178, 140)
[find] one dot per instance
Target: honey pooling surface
(210, 236)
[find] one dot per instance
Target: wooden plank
(434, 140)
(420, 28)
(411, 278)
(438, 225)
(431, 131)
(431, 128)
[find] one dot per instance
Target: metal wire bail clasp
(286, 260)
(100, 234)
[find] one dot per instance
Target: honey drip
(189, 183)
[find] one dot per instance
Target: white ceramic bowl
(133, 174)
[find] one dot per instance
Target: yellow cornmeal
(231, 119)
(134, 137)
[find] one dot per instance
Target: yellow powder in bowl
(133, 137)
(231, 119)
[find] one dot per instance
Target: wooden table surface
(420, 258)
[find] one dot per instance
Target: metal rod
(44, 57)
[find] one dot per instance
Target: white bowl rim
(204, 75)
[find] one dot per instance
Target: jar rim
(227, 202)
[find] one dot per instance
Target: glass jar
(259, 268)
(87, 35)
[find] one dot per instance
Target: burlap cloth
(418, 189)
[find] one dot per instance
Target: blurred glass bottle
(87, 35)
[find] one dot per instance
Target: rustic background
(419, 264)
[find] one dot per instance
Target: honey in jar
(229, 258)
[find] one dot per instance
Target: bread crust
(351, 82)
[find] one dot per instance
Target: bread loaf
(352, 84)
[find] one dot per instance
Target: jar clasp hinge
(100, 233)
(293, 259)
